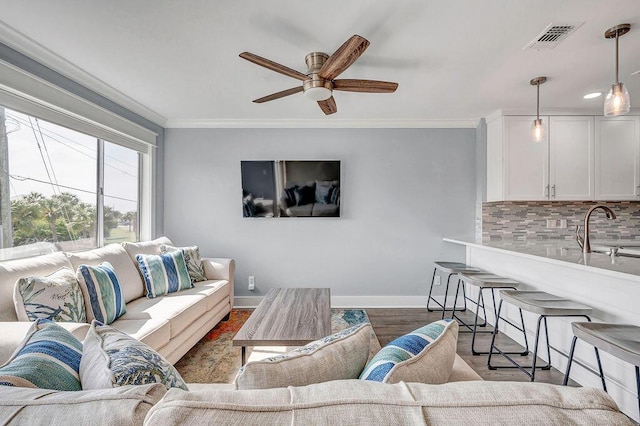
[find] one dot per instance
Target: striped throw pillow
(425, 355)
(191, 258)
(48, 358)
(106, 299)
(165, 273)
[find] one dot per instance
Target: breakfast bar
(609, 284)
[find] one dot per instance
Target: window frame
(31, 95)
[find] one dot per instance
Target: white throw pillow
(56, 296)
(111, 358)
(339, 356)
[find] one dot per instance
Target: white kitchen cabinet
(571, 158)
(561, 167)
(617, 152)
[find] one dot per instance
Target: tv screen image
(291, 188)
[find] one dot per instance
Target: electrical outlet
(563, 223)
(436, 281)
(551, 224)
(252, 282)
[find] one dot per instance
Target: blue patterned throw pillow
(106, 300)
(48, 358)
(164, 273)
(112, 358)
(425, 355)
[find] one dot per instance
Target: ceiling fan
(319, 82)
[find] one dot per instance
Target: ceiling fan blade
(342, 58)
(368, 86)
(328, 106)
(279, 95)
(274, 66)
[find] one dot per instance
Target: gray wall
(402, 191)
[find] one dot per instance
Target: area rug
(214, 360)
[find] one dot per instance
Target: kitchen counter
(567, 253)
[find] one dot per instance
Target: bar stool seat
(544, 305)
(449, 269)
(620, 340)
(541, 303)
(483, 281)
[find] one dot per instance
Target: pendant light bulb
(617, 101)
(537, 129)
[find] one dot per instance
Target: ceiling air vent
(551, 36)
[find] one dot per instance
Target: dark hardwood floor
(391, 323)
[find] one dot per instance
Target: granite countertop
(567, 252)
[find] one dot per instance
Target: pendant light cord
(538, 101)
(617, 33)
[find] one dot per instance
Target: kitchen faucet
(583, 241)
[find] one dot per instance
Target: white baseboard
(353, 301)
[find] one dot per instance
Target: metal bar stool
(449, 269)
(485, 281)
(620, 340)
(545, 305)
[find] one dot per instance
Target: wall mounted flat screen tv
(290, 188)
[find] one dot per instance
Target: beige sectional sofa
(171, 324)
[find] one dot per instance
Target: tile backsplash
(521, 220)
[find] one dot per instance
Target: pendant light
(537, 129)
(617, 101)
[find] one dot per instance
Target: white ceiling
(176, 62)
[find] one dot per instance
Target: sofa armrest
(218, 268)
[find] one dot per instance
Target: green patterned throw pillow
(48, 358)
(56, 296)
(191, 258)
(112, 358)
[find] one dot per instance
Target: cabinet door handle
(638, 190)
(553, 191)
(546, 191)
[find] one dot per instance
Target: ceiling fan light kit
(537, 129)
(617, 101)
(319, 82)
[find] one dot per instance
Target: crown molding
(320, 123)
(31, 48)
(553, 111)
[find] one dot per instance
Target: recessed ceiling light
(592, 95)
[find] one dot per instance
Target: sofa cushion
(128, 275)
(153, 332)
(180, 309)
(102, 288)
(324, 210)
(371, 403)
(48, 358)
(164, 273)
(56, 296)
(192, 259)
(425, 355)
(120, 406)
(12, 270)
(112, 358)
(342, 355)
(145, 247)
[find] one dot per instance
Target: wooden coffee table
(287, 317)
